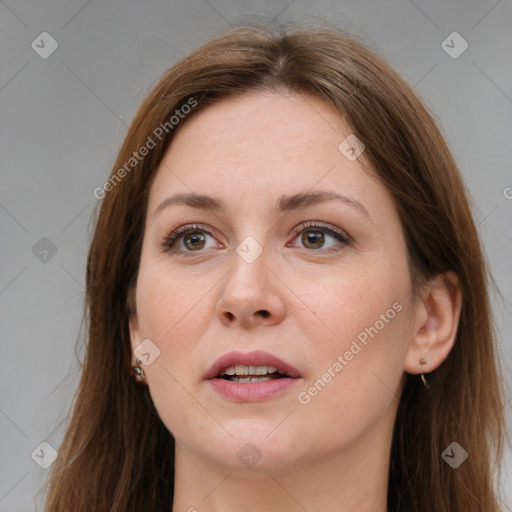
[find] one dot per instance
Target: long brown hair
(117, 455)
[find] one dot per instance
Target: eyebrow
(200, 201)
(284, 204)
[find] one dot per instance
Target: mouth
(252, 376)
(240, 367)
(246, 374)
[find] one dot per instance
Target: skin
(302, 302)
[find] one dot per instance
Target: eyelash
(339, 235)
(168, 243)
(170, 240)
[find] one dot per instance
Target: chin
(252, 445)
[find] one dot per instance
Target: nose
(250, 296)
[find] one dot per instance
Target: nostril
(264, 313)
(230, 315)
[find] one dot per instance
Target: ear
(133, 325)
(436, 321)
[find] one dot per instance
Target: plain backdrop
(73, 73)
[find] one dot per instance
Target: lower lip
(254, 391)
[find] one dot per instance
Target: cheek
(170, 313)
(358, 365)
(173, 314)
(357, 377)
(347, 300)
(170, 304)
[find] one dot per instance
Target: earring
(139, 372)
(422, 362)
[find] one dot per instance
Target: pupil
(313, 239)
(194, 241)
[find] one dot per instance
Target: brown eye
(190, 239)
(313, 239)
(194, 241)
(319, 238)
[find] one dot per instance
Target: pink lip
(256, 358)
(255, 391)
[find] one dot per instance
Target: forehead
(252, 148)
(262, 125)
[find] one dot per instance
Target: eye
(187, 239)
(315, 236)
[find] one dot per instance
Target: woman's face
(266, 245)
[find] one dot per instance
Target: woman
(286, 298)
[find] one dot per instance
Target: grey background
(63, 119)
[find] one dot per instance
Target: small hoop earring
(423, 362)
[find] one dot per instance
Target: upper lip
(255, 358)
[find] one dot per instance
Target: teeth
(229, 371)
(259, 379)
(241, 369)
(249, 380)
(257, 370)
